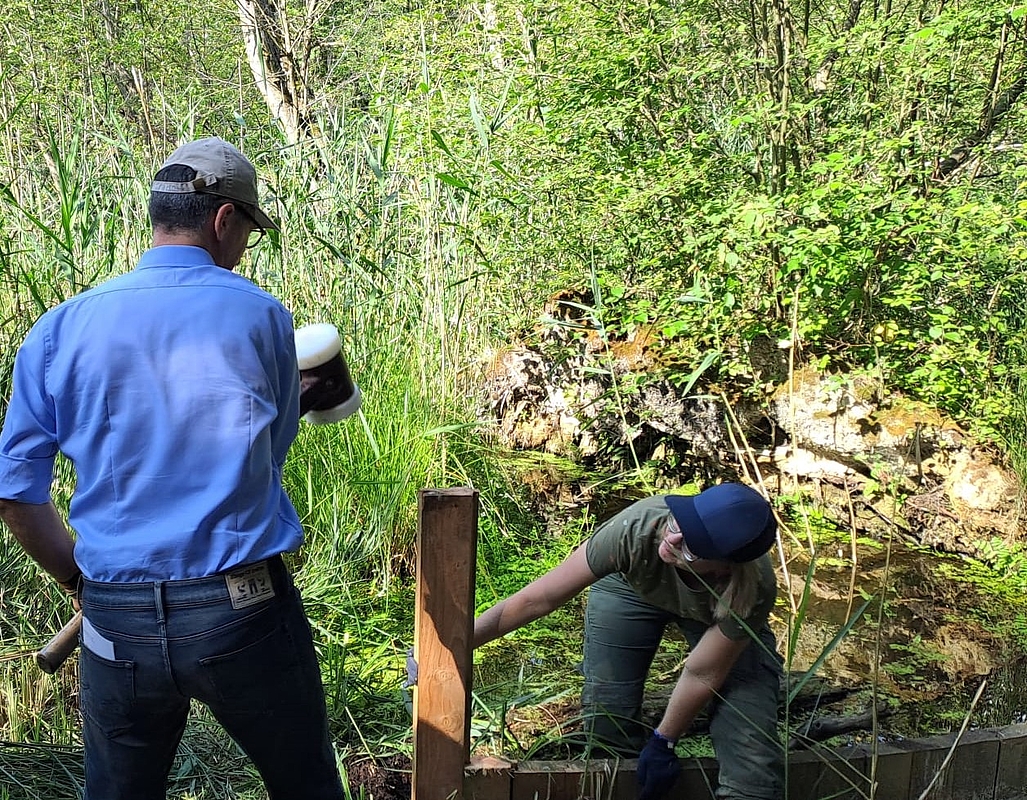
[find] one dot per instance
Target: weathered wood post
(447, 540)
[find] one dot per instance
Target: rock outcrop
(873, 458)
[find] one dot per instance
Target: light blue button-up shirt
(174, 390)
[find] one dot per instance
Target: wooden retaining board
(986, 765)
(443, 630)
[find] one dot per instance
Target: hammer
(57, 650)
(327, 394)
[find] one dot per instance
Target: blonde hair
(737, 597)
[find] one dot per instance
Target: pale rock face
(826, 411)
(797, 461)
(978, 484)
(874, 460)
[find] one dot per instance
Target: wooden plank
(828, 772)
(969, 775)
(698, 779)
(889, 769)
(1011, 781)
(488, 778)
(988, 765)
(443, 626)
(605, 779)
(608, 779)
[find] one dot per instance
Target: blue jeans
(152, 647)
(622, 634)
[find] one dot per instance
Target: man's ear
(222, 220)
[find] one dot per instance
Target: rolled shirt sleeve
(28, 443)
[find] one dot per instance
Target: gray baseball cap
(220, 170)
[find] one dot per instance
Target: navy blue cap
(727, 522)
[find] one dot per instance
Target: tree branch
(996, 111)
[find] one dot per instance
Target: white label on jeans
(249, 585)
(92, 640)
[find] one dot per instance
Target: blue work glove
(658, 768)
(411, 670)
(408, 699)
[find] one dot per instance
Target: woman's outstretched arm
(535, 600)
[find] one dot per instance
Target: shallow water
(927, 641)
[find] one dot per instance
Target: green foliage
(141, 67)
(570, 146)
(643, 158)
(916, 655)
(1013, 424)
(576, 147)
(1001, 572)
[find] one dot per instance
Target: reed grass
(352, 252)
(1014, 436)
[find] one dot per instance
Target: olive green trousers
(622, 634)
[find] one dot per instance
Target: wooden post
(447, 541)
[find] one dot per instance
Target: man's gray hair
(181, 212)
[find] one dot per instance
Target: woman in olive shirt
(699, 562)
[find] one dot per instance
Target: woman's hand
(658, 768)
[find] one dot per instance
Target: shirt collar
(175, 255)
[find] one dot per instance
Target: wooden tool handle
(58, 649)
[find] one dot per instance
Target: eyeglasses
(688, 555)
(257, 233)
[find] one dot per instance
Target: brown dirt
(385, 778)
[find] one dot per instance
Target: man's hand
(658, 768)
(408, 698)
(73, 588)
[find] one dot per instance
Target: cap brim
(263, 220)
(693, 532)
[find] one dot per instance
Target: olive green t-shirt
(629, 544)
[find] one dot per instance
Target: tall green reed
(347, 257)
(35, 707)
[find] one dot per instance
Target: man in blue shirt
(175, 392)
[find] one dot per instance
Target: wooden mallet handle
(57, 650)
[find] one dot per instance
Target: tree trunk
(278, 68)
